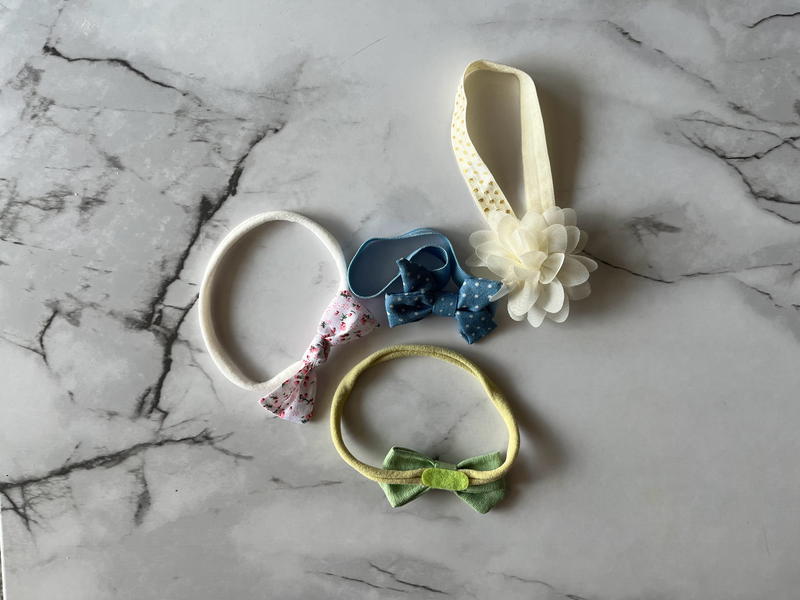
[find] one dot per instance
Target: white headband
(290, 393)
(538, 256)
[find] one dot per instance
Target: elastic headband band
(537, 258)
(464, 477)
(296, 383)
(444, 265)
(416, 287)
(537, 178)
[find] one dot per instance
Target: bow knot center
(318, 351)
(445, 479)
(446, 304)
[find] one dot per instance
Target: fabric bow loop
(343, 320)
(441, 475)
(423, 295)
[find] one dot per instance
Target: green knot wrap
(445, 476)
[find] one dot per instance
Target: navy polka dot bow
(422, 295)
(433, 282)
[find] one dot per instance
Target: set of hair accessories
(534, 260)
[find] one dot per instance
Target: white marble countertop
(659, 424)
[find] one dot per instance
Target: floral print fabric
(344, 320)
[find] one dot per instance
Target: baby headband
(290, 394)
(424, 274)
(407, 474)
(537, 258)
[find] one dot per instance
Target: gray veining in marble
(659, 424)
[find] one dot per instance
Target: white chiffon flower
(537, 260)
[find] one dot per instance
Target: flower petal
(524, 274)
(581, 242)
(506, 225)
(481, 237)
(579, 292)
(492, 248)
(554, 216)
(533, 221)
(500, 266)
(515, 315)
(529, 240)
(551, 297)
(494, 218)
(573, 237)
(570, 218)
(561, 315)
(587, 262)
(517, 243)
(573, 272)
(536, 316)
(474, 261)
(556, 238)
(521, 299)
(532, 260)
(550, 267)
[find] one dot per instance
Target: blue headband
(422, 276)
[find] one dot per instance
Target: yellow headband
(415, 476)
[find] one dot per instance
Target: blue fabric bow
(424, 274)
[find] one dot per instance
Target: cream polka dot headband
(537, 257)
(289, 394)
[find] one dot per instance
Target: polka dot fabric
(539, 193)
(422, 295)
(431, 279)
(484, 189)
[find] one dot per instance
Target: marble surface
(659, 424)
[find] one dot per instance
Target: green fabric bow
(441, 475)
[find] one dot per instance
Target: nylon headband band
(224, 362)
(538, 179)
(389, 476)
(361, 272)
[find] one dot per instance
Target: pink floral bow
(343, 321)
